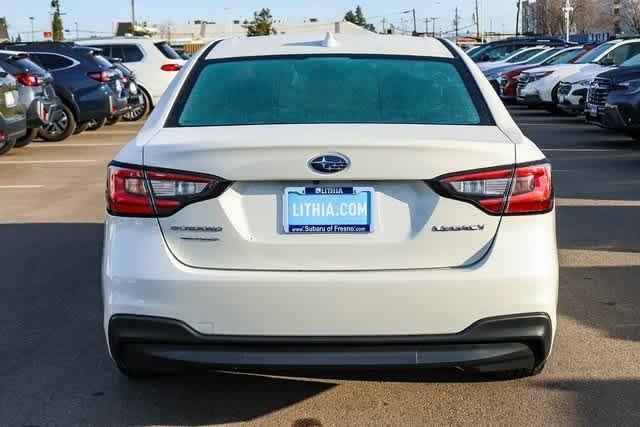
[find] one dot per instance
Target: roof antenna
(330, 40)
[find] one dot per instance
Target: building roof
(314, 43)
(206, 32)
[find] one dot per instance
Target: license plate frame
(324, 223)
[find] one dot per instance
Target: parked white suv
(154, 62)
(307, 200)
(538, 86)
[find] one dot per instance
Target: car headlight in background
(586, 83)
(539, 75)
(630, 86)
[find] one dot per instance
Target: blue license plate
(328, 210)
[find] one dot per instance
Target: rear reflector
(134, 191)
(525, 189)
(171, 67)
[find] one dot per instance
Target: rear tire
(96, 124)
(27, 139)
(140, 111)
(6, 146)
(61, 129)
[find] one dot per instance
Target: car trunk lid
(244, 228)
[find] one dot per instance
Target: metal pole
(415, 26)
(77, 32)
(133, 14)
(518, 18)
(567, 9)
(456, 22)
(32, 32)
(477, 22)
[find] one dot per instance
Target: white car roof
(315, 43)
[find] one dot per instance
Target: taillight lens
(28, 79)
(101, 76)
(526, 189)
(171, 67)
(134, 191)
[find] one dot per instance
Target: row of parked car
(599, 81)
(52, 90)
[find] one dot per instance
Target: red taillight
(28, 79)
(526, 189)
(171, 67)
(101, 76)
(132, 191)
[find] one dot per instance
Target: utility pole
(433, 20)
(384, 24)
(518, 18)
(477, 22)
(77, 31)
(415, 27)
(567, 9)
(456, 22)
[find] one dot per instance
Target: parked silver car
(36, 93)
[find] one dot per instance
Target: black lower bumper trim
(141, 343)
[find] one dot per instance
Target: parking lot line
(596, 202)
(19, 187)
(586, 150)
(79, 144)
(28, 162)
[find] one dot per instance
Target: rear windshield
(334, 89)
(167, 50)
(523, 56)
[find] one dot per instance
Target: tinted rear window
(320, 89)
(52, 61)
(22, 65)
(167, 50)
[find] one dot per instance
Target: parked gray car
(36, 93)
(12, 118)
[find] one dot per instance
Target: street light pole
(32, 18)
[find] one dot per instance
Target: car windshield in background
(564, 57)
(541, 56)
(631, 62)
(167, 50)
(320, 89)
(523, 56)
(595, 53)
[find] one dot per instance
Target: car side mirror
(3, 74)
(486, 58)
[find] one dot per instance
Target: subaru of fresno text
(330, 200)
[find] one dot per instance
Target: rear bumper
(13, 128)
(492, 344)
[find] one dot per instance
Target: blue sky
(100, 16)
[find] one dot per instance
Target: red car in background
(508, 79)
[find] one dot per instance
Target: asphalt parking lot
(54, 368)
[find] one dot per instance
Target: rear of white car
(354, 200)
(154, 62)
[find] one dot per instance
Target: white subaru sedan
(329, 201)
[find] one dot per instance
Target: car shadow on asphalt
(57, 370)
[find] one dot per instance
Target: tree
(358, 18)
(262, 24)
(56, 22)
(630, 15)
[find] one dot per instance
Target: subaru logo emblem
(329, 163)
